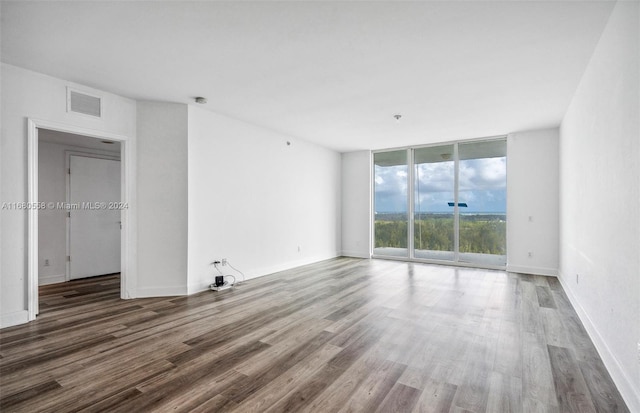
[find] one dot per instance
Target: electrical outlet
(530, 254)
(46, 262)
(224, 261)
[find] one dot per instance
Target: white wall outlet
(530, 254)
(46, 262)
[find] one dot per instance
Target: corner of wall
(14, 318)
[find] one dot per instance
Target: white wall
(262, 204)
(27, 94)
(356, 204)
(162, 199)
(532, 202)
(52, 222)
(600, 200)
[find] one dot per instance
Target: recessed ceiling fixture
(397, 117)
(201, 100)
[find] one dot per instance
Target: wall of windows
(442, 203)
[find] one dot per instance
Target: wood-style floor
(341, 335)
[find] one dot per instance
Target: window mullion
(411, 200)
(456, 207)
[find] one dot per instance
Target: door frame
(67, 155)
(128, 273)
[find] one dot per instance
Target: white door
(94, 222)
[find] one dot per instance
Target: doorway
(79, 225)
(95, 141)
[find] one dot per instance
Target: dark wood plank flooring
(341, 335)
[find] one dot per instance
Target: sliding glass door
(434, 186)
(390, 204)
(482, 194)
(442, 203)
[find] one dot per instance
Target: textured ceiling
(333, 73)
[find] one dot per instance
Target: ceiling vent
(84, 103)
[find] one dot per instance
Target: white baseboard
(51, 279)
(289, 265)
(628, 391)
(551, 272)
(198, 288)
(355, 254)
(161, 291)
(14, 318)
(255, 273)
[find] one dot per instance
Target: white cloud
(485, 174)
(482, 185)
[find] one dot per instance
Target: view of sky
(482, 186)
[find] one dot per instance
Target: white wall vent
(84, 103)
